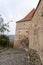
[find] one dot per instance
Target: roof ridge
(28, 16)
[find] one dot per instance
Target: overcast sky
(16, 10)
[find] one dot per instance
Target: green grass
(1, 47)
(34, 57)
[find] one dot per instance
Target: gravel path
(12, 57)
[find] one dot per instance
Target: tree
(4, 41)
(3, 26)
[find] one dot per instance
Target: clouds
(16, 9)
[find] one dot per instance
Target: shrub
(4, 40)
(10, 44)
(34, 58)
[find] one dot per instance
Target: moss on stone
(34, 58)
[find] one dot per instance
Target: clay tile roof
(28, 16)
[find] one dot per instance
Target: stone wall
(37, 31)
(33, 30)
(22, 31)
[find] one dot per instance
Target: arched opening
(25, 42)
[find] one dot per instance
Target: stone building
(31, 27)
(22, 28)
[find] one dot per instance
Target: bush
(34, 58)
(10, 45)
(4, 40)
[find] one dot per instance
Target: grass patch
(34, 58)
(1, 47)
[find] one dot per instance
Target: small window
(24, 23)
(19, 37)
(42, 12)
(26, 31)
(19, 31)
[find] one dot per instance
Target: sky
(15, 10)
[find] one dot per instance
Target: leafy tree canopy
(3, 26)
